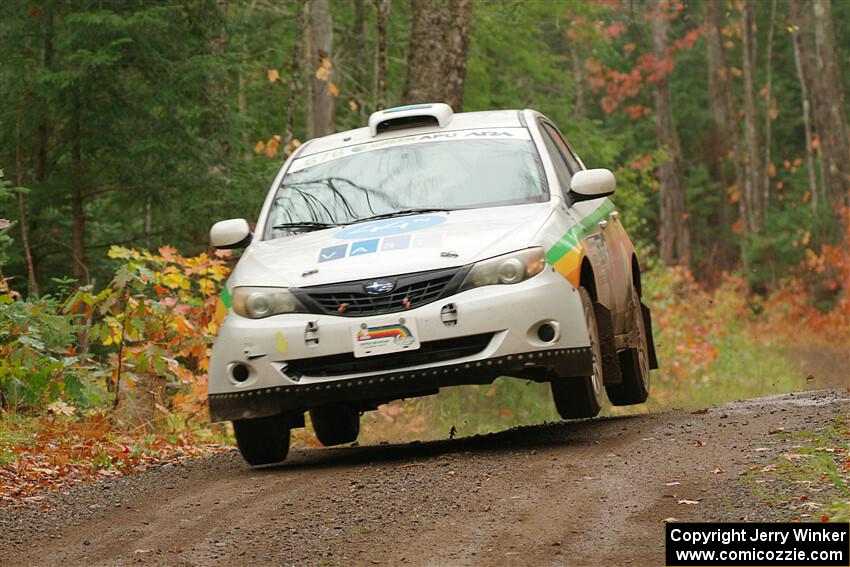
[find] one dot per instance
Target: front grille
(428, 352)
(350, 299)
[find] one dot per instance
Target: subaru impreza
(428, 249)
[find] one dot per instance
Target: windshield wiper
(304, 225)
(402, 213)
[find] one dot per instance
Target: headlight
(508, 269)
(259, 302)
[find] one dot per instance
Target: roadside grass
(462, 411)
(743, 368)
(809, 482)
(16, 433)
(711, 350)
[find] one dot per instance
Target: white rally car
(428, 249)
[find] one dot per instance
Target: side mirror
(230, 234)
(592, 184)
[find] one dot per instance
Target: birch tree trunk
(675, 235)
(439, 44)
(752, 195)
(796, 12)
(768, 117)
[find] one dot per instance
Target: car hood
(389, 247)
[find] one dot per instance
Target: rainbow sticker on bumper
(383, 337)
(566, 254)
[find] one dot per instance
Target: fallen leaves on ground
(61, 453)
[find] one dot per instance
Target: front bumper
(507, 316)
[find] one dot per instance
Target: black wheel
(634, 362)
(582, 397)
(335, 424)
(262, 440)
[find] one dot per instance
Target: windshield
(460, 171)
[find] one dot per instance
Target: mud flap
(611, 374)
(650, 342)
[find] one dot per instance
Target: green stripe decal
(225, 297)
(577, 232)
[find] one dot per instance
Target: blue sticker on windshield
(364, 247)
(389, 227)
(332, 252)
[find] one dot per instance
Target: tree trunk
(439, 45)
(242, 108)
(675, 236)
(148, 221)
(726, 138)
(580, 105)
(799, 21)
(32, 282)
(768, 118)
(219, 92)
(383, 9)
(42, 135)
(318, 53)
(294, 73)
(834, 142)
(357, 55)
(78, 213)
(752, 195)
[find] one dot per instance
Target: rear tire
(582, 397)
(335, 424)
(634, 362)
(262, 440)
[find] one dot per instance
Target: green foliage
(38, 364)
(150, 112)
(5, 228)
(155, 320)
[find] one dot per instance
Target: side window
(550, 139)
(565, 149)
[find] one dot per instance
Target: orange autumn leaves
(157, 319)
(60, 452)
(622, 89)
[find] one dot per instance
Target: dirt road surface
(571, 493)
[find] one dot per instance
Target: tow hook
(311, 334)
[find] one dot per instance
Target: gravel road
(569, 493)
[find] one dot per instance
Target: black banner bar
(758, 544)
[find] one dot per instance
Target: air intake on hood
(410, 116)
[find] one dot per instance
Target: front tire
(582, 397)
(263, 440)
(634, 362)
(335, 424)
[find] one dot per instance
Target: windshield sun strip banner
(448, 136)
(565, 255)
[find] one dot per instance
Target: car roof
(459, 121)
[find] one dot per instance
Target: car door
(592, 237)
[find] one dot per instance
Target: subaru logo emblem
(379, 287)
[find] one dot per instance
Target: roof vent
(410, 116)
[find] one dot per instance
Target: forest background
(127, 127)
